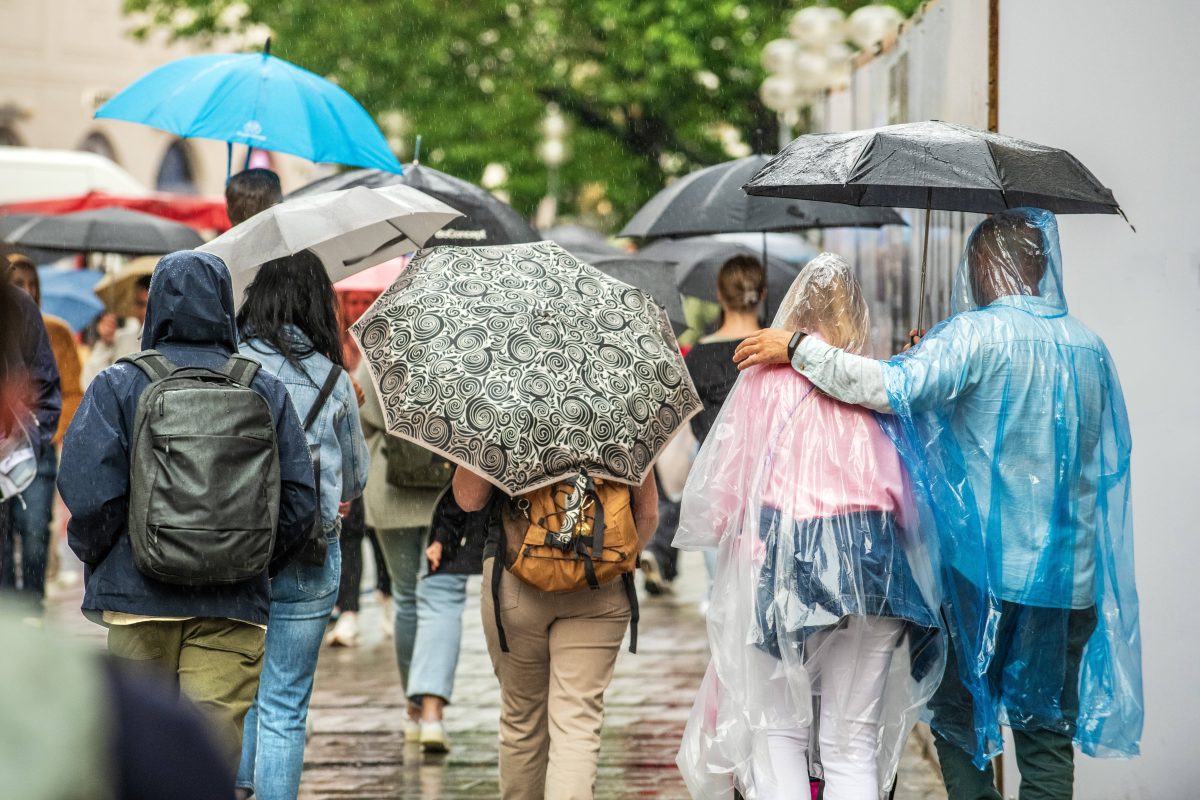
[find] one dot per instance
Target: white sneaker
(412, 730)
(433, 737)
(345, 631)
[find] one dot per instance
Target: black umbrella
(485, 221)
(698, 262)
(932, 165)
(581, 241)
(711, 200)
(106, 230)
(656, 278)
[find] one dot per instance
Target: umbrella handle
(924, 258)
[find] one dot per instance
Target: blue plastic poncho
(1014, 430)
(824, 586)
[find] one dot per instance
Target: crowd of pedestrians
(825, 487)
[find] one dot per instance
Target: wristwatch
(797, 337)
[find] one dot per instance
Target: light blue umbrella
(257, 100)
(67, 294)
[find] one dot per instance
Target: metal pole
(765, 313)
(924, 259)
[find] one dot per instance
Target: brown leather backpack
(571, 535)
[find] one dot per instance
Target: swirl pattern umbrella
(526, 365)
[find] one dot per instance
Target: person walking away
(553, 649)
(400, 501)
(289, 325)
(249, 192)
(186, 492)
(819, 559)
(31, 516)
(30, 412)
(740, 286)
(118, 340)
(1015, 432)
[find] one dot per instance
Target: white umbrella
(349, 231)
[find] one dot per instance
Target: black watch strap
(793, 344)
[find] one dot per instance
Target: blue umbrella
(67, 294)
(257, 100)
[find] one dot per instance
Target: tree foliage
(651, 88)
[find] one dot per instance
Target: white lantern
(870, 25)
(811, 72)
(778, 55)
(779, 93)
(816, 26)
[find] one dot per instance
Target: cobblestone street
(357, 747)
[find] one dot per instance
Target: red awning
(201, 213)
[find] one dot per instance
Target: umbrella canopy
(374, 279)
(202, 213)
(698, 262)
(711, 200)
(105, 230)
(257, 100)
(932, 165)
(655, 278)
(67, 294)
(526, 365)
(116, 289)
(348, 230)
(582, 242)
(486, 220)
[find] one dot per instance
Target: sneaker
(433, 737)
(412, 731)
(652, 574)
(345, 632)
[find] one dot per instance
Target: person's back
(210, 636)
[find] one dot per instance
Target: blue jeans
(31, 514)
(429, 609)
(302, 598)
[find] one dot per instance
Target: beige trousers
(562, 650)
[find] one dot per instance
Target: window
(175, 173)
(99, 144)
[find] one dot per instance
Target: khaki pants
(562, 650)
(213, 662)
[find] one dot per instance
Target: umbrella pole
(228, 161)
(924, 259)
(765, 311)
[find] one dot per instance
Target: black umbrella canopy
(106, 230)
(656, 278)
(486, 220)
(711, 200)
(936, 165)
(698, 262)
(581, 241)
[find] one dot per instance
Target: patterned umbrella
(526, 365)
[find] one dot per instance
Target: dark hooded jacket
(190, 320)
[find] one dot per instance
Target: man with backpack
(189, 482)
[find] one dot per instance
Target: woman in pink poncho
(823, 625)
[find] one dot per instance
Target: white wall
(1115, 82)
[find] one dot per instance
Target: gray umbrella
(106, 230)
(932, 165)
(581, 241)
(656, 278)
(526, 365)
(698, 262)
(711, 200)
(486, 220)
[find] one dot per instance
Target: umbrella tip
(267, 47)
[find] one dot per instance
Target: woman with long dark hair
(288, 324)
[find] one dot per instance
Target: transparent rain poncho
(1013, 428)
(823, 606)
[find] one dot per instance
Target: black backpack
(204, 480)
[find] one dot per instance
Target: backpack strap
(153, 363)
(497, 568)
(240, 370)
(331, 380)
(634, 614)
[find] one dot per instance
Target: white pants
(849, 667)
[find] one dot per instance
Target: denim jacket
(344, 456)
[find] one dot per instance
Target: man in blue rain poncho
(1013, 427)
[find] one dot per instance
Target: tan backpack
(571, 535)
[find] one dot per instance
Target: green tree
(648, 87)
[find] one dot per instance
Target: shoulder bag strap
(331, 380)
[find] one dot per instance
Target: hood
(995, 265)
(191, 302)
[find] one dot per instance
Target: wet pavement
(357, 748)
